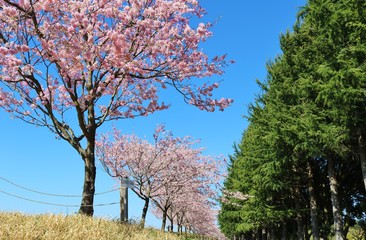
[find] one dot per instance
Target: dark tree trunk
(171, 220)
(144, 212)
(271, 233)
(299, 219)
(313, 202)
(346, 224)
(362, 151)
(89, 130)
(179, 228)
(306, 233)
(284, 231)
(171, 224)
(170, 227)
(163, 222)
(87, 200)
(264, 234)
(258, 234)
(336, 208)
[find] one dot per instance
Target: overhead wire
(58, 204)
(52, 194)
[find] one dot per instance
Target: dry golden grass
(16, 226)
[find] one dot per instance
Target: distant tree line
(300, 168)
(173, 178)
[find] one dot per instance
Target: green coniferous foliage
(310, 115)
(339, 81)
(343, 73)
(264, 170)
(229, 216)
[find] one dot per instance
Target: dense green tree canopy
(302, 160)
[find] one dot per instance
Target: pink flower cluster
(179, 180)
(115, 55)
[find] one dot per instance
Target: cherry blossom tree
(189, 176)
(128, 156)
(201, 218)
(196, 213)
(72, 65)
(187, 206)
(191, 173)
(170, 172)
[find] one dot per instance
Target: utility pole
(123, 204)
(125, 184)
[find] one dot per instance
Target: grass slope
(18, 226)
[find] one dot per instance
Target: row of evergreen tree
(302, 160)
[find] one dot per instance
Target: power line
(58, 204)
(52, 194)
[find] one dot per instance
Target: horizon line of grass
(19, 226)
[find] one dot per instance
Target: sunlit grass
(76, 227)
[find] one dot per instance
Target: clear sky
(248, 31)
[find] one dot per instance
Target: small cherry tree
(201, 218)
(195, 212)
(128, 156)
(190, 174)
(72, 65)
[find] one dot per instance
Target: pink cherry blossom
(129, 53)
(181, 182)
(73, 65)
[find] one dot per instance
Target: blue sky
(248, 31)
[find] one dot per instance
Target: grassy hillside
(43, 227)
